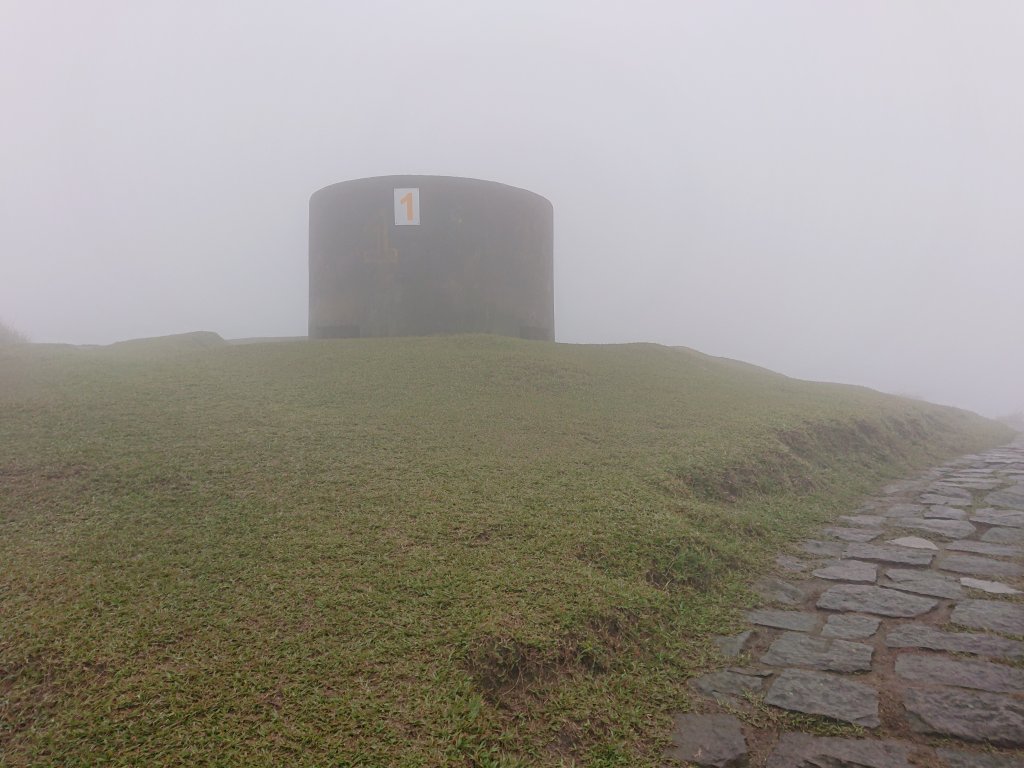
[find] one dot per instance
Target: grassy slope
(461, 551)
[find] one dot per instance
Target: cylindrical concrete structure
(422, 255)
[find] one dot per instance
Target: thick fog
(831, 190)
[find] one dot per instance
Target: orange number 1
(406, 200)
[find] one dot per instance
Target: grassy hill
(467, 551)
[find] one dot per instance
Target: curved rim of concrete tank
(415, 177)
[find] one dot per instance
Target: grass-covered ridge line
(447, 551)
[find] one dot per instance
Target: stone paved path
(905, 617)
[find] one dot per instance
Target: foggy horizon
(834, 192)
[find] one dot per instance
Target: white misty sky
(831, 190)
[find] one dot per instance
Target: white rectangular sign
(407, 206)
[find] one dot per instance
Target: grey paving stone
(903, 510)
(981, 485)
(822, 693)
(852, 534)
(926, 588)
(732, 646)
(992, 615)
(850, 627)
(950, 490)
(848, 570)
(778, 591)
(709, 740)
(864, 521)
(822, 548)
(979, 675)
(914, 542)
(887, 553)
(969, 715)
(859, 598)
(791, 564)
(902, 486)
(992, 587)
(958, 758)
(752, 671)
(728, 686)
(943, 500)
(944, 513)
(948, 529)
(973, 565)
(985, 548)
(869, 506)
(1008, 518)
(801, 750)
(927, 583)
(913, 635)
(1013, 498)
(999, 535)
(798, 650)
(797, 621)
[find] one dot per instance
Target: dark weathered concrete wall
(480, 261)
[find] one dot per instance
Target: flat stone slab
(969, 715)
(993, 615)
(864, 521)
(943, 500)
(821, 548)
(728, 686)
(903, 510)
(797, 650)
(852, 534)
(992, 587)
(958, 758)
(795, 621)
(973, 565)
(1009, 497)
(869, 506)
(849, 570)
(985, 548)
(850, 627)
(858, 598)
(888, 554)
(732, 645)
(948, 529)
(791, 564)
(979, 485)
(778, 591)
(902, 486)
(950, 490)
(923, 636)
(1010, 519)
(914, 542)
(822, 693)
(944, 513)
(972, 483)
(979, 675)
(1000, 535)
(922, 583)
(715, 741)
(801, 750)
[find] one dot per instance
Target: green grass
(466, 551)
